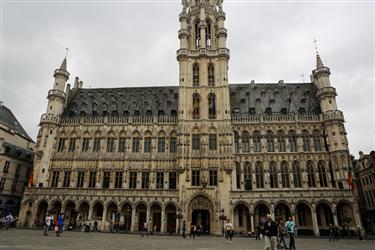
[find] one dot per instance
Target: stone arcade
(197, 152)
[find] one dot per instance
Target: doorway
(201, 218)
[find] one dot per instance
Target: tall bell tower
(205, 133)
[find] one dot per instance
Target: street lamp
(222, 217)
(127, 213)
(179, 217)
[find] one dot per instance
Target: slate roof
(8, 119)
(245, 99)
(19, 153)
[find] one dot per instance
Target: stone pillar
(104, 218)
(357, 217)
(148, 218)
(90, 213)
(252, 222)
(315, 222)
(162, 228)
(335, 220)
(133, 220)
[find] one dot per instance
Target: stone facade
(198, 152)
(16, 161)
(364, 169)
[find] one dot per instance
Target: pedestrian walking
(184, 230)
(257, 232)
(60, 223)
(228, 231)
(270, 233)
(331, 233)
(282, 234)
(192, 233)
(47, 225)
(290, 228)
(145, 228)
(336, 232)
(359, 232)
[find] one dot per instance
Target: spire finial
(319, 63)
(63, 64)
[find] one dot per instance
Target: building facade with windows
(364, 169)
(16, 161)
(199, 152)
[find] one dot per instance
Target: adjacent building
(198, 152)
(16, 161)
(364, 169)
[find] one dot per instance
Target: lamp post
(127, 213)
(222, 217)
(179, 217)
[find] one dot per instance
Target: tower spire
(319, 62)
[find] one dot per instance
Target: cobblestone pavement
(34, 239)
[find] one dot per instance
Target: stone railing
(67, 192)
(49, 118)
(326, 91)
(120, 120)
(202, 51)
(277, 194)
(56, 93)
(334, 115)
(291, 118)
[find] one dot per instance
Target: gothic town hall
(198, 152)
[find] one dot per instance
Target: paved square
(34, 239)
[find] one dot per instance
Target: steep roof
(8, 119)
(245, 99)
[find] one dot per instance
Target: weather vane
(66, 53)
(303, 78)
(316, 46)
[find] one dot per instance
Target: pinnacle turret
(319, 63)
(63, 64)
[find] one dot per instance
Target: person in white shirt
(228, 231)
(47, 224)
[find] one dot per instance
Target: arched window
(238, 175)
(236, 142)
(310, 174)
(208, 34)
(259, 175)
(285, 174)
(270, 141)
(247, 176)
(245, 142)
(211, 75)
(197, 35)
(297, 175)
(273, 175)
(316, 140)
(256, 141)
(332, 174)
(306, 141)
(292, 141)
(196, 75)
(281, 140)
(322, 174)
(211, 106)
(196, 105)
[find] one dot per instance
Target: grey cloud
(129, 44)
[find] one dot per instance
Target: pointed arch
(211, 106)
(245, 142)
(248, 176)
(273, 175)
(322, 174)
(196, 106)
(196, 75)
(297, 174)
(259, 174)
(310, 174)
(285, 174)
(211, 74)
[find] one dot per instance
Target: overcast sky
(134, 43)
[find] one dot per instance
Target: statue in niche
(195, 106)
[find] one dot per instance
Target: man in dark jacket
(270, 231)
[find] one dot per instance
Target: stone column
(252, 221)
(133, 220)
(315, 222)
(90, 213)
(335, 220)
(104, 218)
(162, 228)
(148, 218)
